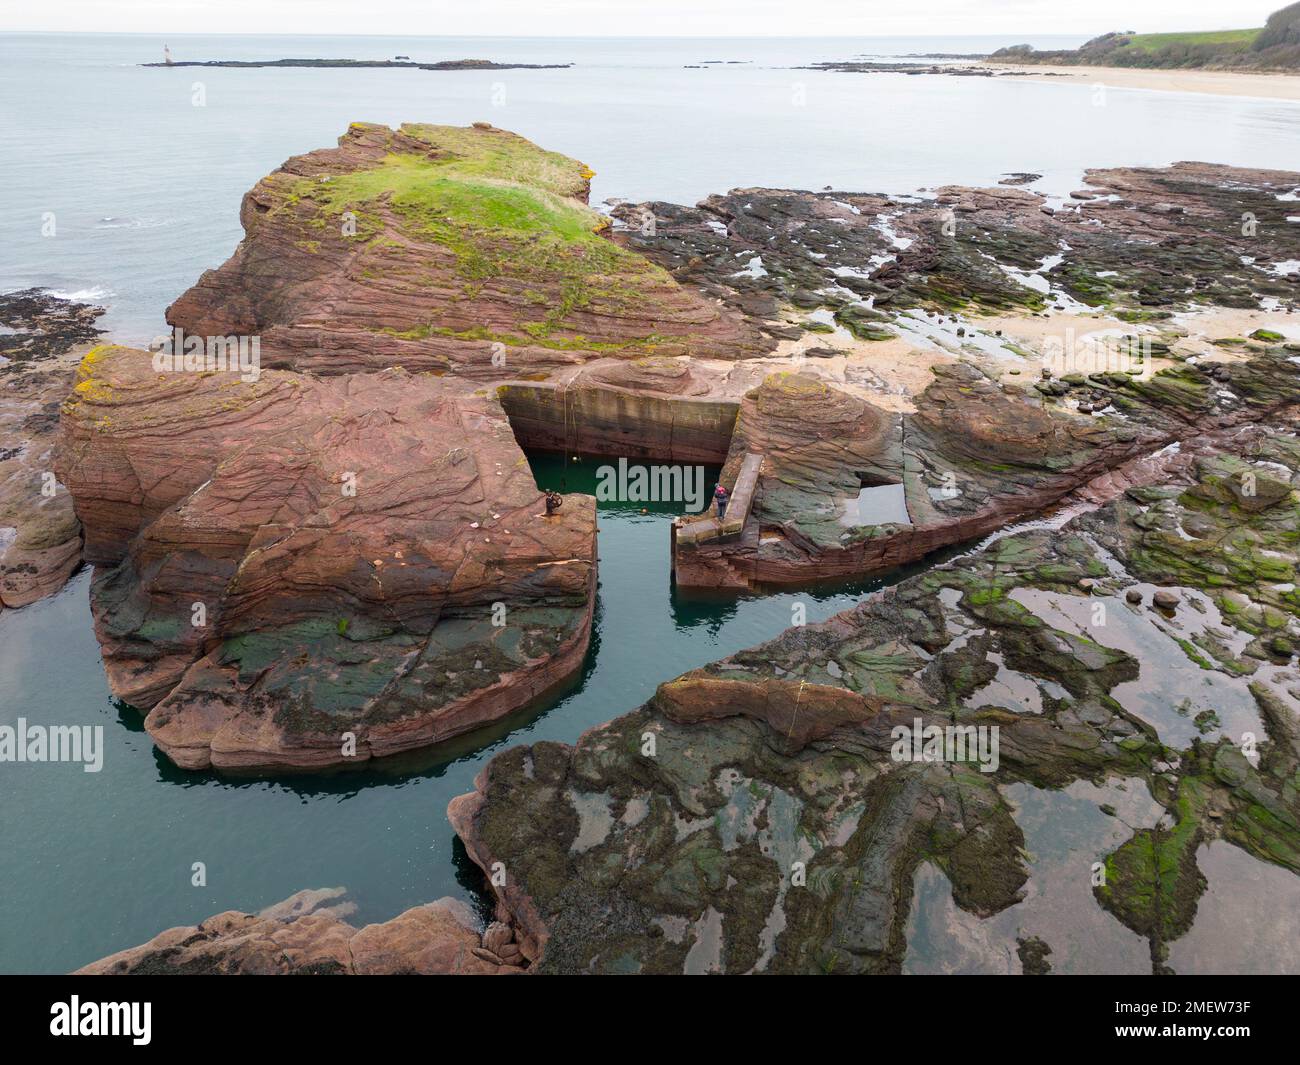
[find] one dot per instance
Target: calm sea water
(145, 189)
(96, 862)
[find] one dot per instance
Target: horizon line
(587, 36)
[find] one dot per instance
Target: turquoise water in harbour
(94, 862)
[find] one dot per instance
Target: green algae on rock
(431, 246)
(755, 816)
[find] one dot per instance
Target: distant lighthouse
(167, 55)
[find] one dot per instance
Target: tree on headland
(1282, 28)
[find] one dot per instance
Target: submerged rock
(1033, 954)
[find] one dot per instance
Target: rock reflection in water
(1065, 832)
(1248, 920)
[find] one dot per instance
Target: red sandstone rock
(974, 458)
(343, 543)
(300, 937)
(426, 246)
(796, 713)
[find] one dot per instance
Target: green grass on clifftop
(433, 194)
(1274, 47)
(503, 206)
(1239, 40)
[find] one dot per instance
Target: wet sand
(1014, 347)
(1215, 82)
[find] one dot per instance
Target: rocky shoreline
(308, 935)
(42, 340)
(1273, 48)
(756, 815)
(358, 522)
(347, 571)
(977, 69)
(833, 276)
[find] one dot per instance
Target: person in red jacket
(721, 498)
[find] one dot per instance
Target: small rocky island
(344, 555)
(362, 64)
(880, 377)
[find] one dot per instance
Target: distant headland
(1273, 47)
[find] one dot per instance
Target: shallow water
(1248, 920)
(882, 504)
(1065, 831)
(1172, 689)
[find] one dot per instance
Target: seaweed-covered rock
(767, 813)
(1162, 238)
(975, 456)
(42, 340)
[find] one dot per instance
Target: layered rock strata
(444, 250)
(308, 935)
(339, 552)
(846, 488)
(1120, 267)
(308, 571)
(428, 300)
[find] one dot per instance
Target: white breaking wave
(81, 295)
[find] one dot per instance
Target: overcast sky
(565, 18)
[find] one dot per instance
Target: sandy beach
(1214, 82)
